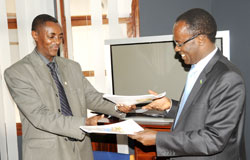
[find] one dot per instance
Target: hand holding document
(124, 127)
(131, 100)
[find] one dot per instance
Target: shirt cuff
(117, 110)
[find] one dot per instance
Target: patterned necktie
(188, 88)
(63, 99)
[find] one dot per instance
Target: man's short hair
(41, 19)
(199, 21)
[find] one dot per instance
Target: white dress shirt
(193, 74)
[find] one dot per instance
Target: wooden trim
(85, 20)
(133, 27)
(136, 18)
(11, 14)
(12, 24)
(80, 20)
(166, 127)
(19, 129)
(133, 22)
(125, 20)
(149, 152)
(88, 73)
(14, 43)
(64, 27)
(91, 73)
(132, 157)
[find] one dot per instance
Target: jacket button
(59, 110)
(66, 139)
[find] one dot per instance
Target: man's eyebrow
(53, 33)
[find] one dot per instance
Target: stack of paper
(131, 100)
(124, 127)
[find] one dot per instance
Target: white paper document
(130, 100)
(124, 127)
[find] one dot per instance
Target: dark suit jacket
(212, 121)
(45, 130)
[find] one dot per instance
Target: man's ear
(202, 39)
(34, 35)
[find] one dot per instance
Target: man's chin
(54, 53)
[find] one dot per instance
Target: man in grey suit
(53, 102)
(209, 119)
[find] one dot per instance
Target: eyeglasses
(190, 39)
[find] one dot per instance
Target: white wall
(8, 136)
(88, 41)
(26, 10)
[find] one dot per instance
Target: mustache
(55, 46)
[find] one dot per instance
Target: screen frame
(224, 35)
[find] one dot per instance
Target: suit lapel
(201, 80)
(40, 68)
(65, 76)
(61, 68)
(42, 71)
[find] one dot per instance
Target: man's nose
(58, 40)
(177, 48)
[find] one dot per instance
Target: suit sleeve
(95, 101)
(173, 111)
(225, 108)
(37, 113)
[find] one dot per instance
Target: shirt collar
(203, 62)
(44, 59)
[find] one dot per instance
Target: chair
(102, 155)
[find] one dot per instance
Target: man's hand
(92, 121)
(146, 137)
(124, 108)
(159, 104)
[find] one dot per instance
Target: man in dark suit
(209, 119)
(53, 96)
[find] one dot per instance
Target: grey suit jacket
(211, 125)
(45, 130)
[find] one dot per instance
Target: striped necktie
(63, 99)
